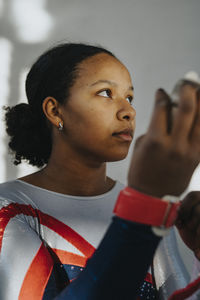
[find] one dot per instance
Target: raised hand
(165, 158)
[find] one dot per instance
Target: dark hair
(52, 74)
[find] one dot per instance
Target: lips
(126, 134)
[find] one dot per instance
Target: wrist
(138, 207)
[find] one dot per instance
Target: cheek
(93, 119)
(93, 134)
(89, 126)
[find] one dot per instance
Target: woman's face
(98, 118)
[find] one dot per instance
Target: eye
(129, 99)
(105, 93)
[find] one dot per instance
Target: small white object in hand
(192, 76)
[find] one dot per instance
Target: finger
(190, 219)
(195, 134)
(139, 140)
(185, 114)
(188, 206)
(159, 121)
(193, 223)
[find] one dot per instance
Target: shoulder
(6, 192)
(13, 192)
(15, 204)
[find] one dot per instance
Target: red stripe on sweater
(37, 276)
(186, 292)
(13, 209)
(69, 258)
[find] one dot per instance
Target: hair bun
(19, 117)
(27, 138)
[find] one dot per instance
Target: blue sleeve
(117, 268)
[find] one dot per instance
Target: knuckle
(177, 153)
(181, 155)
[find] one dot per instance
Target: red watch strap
(135, 206)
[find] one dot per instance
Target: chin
(117, 156)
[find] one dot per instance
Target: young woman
(79, 116)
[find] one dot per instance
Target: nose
(126, 113)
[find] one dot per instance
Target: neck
(76, 177)
(72, 174)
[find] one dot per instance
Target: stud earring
(60, 126)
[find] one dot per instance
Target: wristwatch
(135, 206)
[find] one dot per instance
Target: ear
(51, 109)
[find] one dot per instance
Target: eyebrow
(110, 83)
